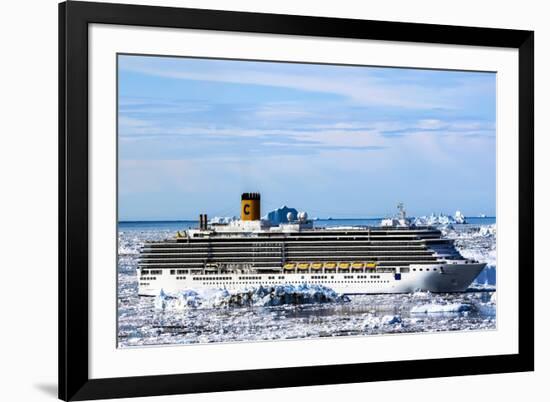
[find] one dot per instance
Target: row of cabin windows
(152, 272)
(378, 251)
(292, 245)
(178, 271)
(214, 278)
(346, 277)
(427, 269)
(241, 278)
(287, 282)
(376, 239)
(259, 278)
(251, 283)
(159, 271)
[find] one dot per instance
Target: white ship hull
(440, 278)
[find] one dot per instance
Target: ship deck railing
(162, 265)
(374, 242)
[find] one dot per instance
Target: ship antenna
(401, 209)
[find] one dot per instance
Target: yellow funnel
(250, 206)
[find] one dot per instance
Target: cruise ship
(245, 253)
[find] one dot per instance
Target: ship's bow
(454, 277)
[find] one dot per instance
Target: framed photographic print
(257, 200)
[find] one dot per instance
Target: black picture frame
(74, 18)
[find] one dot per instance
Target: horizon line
(319, 219)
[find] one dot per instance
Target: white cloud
(282, 111)
(362, 88)
(430, 124)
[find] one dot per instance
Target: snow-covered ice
(441, 308)
(255, 296)
(478, 243)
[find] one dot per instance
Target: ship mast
(401, 208)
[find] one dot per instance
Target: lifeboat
(289, 266)
(316, 265)
(371, 265)
(303, 265)
(330, 265)
(344, 265)
(357, 265)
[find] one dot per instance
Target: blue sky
(340, 141)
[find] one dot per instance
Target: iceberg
(439, 219)
(459, 218)
(222, 220)
(280, 215)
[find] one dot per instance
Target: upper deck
(261, 245)
(355, 233)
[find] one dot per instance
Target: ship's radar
(302, 216)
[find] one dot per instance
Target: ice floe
(259, 297)
(441, 308)
(477, 243)
(372, 321)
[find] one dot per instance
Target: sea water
(210, 316)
